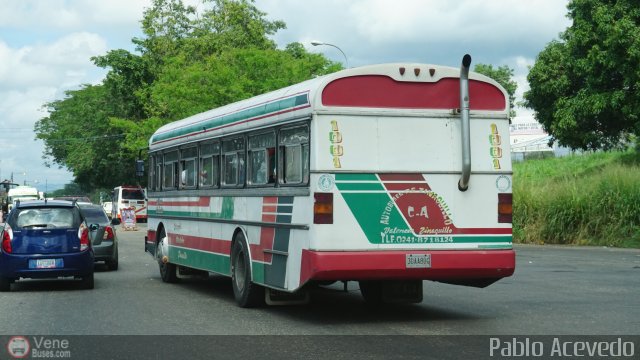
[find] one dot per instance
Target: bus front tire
(246, 293)
(167, 270)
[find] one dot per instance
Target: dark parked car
(103, 237)
(46, 239)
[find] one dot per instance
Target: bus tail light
(323, 208)
(505, 208)
(7, 236)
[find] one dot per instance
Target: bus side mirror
(139, 168)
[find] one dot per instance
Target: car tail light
(83, 235)
(7, 236)
(108, 233)
(505, 208)
(323, 208)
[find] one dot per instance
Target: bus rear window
(132, 194)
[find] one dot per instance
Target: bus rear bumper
(465, 267)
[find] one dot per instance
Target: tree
(187, 63)
(585, 87)
(502, 75)
(78, 136)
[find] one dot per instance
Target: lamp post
(317, 43)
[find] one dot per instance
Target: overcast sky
(45, 46)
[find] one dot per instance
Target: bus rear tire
(168, 271)
(371, 291)
(246, 293)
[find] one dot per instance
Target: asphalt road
(555, 290)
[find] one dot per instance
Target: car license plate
(46, 264)
(418, 261)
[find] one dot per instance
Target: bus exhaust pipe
(463, 184)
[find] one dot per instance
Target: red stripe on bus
(402, 177)
(378, 265)
(201, 243)
(267, 236)
(270, 200)
(203, 202)
(269, 208)
(483, 231)
(395, 187)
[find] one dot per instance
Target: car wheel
(167, 271)
(87, 282)
(5, 284)
(112, 264)
(247, 293)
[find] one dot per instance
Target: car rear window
(94, 215)
(59, 217)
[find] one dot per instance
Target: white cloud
(69, 14)
(64, 62)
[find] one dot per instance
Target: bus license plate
(418, 260)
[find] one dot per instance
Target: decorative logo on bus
(503, 183)
(495, 150)
(325, 183)
(425, 216)
(335, 149)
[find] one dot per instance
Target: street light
(317, 43)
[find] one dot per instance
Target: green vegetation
(585, 87)
(186, 62)
(590, 199)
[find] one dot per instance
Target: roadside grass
(589, 199)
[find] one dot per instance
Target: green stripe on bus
(257, 272)
(356, 177)
(360, 186)
(509, 246)
(239, 116)
(217, 263)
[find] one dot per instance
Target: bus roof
(410, 87)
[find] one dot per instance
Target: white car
(107, 206)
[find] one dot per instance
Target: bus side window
(261, 159)
(158, 173)
(188, 167)
(152, 169)
(234, 167)
(170, 172)
(209, 171)
(294, 156)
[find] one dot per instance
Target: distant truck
(21, 193)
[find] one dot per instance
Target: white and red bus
(385, 174)
(129, 197)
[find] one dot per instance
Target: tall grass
(591, 199)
